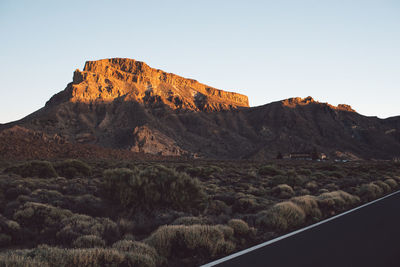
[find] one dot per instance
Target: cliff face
(130, 80)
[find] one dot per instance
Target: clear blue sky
(337, 51)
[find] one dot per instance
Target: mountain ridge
(117, 108)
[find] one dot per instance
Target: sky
(336, 51)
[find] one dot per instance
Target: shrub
(38, 215)
(337, 200)
(39, 222)
(51, 256)
(245, 203)
(384, 186)
(155, 186)
(309, 205)
(9, 231)
(120, 185)
(269, 170)
(190, 220)
(88, 241)
(35, 168)
(86, 204)
(188, 241)
(12, 259)
(392, 183)
(370, 191)
(14, 192)
(283, 191)
(138, 248)
(45, 196)
(281, 217)
(125, 226)
(240, 227)
(216, 207)
(71, 168)
(312, 186)
(79, 225)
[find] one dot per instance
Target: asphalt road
(369, 236)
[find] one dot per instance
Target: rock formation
(130, 80)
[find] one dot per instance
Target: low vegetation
(118, 213)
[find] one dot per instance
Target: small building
(308, 156)
(300, 156)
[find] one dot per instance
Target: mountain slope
(125, 104)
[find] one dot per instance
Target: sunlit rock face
(130, 80)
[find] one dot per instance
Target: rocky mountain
(125, 104)
(107, 80)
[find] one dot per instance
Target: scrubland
(132, 213)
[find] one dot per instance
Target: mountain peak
(121, 78)
(298, 101)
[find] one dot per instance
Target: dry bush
(337, 200)
(134, 246)
(139, 248)
(45, 196)
(245, 203)
(240, 227)
(9, 231)
(125, 226)
(191, 220)
(79, 225)
(35, 168)
(88, 241)
(332, 187)
(86, 204)
(52, 256)
(309, 205)
(155, 186)
(217, 207)
(384, 186)
(39, 222)
(370, 191)
(13, 192)
(312, 186)
(12, 259)
(71, 168)
(283, 191)
(38, 215)
(392, 183)
(183, 241)
(281, 217)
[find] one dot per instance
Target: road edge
(242, 252)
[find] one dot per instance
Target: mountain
(125, 104)
(107, 80)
